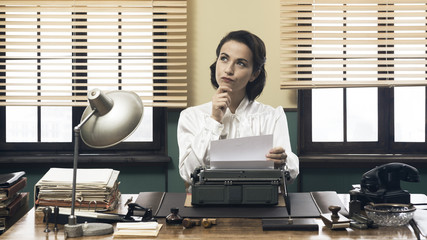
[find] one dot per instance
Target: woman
(238, 75)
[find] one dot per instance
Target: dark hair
(256, 45)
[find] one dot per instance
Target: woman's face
(234, 66)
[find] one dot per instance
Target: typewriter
(237, 186)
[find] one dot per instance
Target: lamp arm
(77, 128)
(72, 220)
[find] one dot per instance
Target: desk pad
(302, 205)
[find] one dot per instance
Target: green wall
(134, 179)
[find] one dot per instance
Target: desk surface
(31, 227)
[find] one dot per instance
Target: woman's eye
(241, 64)
(223, 59)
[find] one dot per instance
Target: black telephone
(382, 184)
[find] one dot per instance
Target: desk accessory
(131, 217)
(325, 199)
(152, 200)
(297, 224)
(416, 229)
(355, 207)
(286, 177)
(335, 220)
(47, 211)
(208, 222)
(382, 184)
(390, 214)
(420, 221)
(109, 119)
(55, 218)
(205, 222)
(174, 217)
(360, 221)
(189, 223)
(301, 202)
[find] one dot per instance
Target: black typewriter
(236, 186)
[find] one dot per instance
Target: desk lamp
(109, 119)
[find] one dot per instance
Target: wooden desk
(31, 227)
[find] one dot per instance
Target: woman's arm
(281, 139)
(195, 132)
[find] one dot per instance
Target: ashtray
(390, 214)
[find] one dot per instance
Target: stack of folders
(96, 189)
(13, 202)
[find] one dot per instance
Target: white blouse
(196, 129)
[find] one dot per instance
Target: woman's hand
(278, 155)
(220, 102)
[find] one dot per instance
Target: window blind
(360, 43)
(53, 52)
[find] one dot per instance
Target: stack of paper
(137, 229)
(95, 188)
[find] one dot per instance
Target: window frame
(157, 145)
(385, 144)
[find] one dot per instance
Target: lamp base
(88, 229)
(75, 230)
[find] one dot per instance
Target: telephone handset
(382, 184)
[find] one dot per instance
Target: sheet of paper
(242, 153)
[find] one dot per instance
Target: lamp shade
(117, 115)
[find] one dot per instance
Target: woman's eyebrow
(223, 54)
(243, 59)
(240, 59)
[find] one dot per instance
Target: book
(2, 225)
(7, 222)
(10, 191)
(7, 201)
(9, 179)
(20, 200)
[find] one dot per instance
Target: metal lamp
(109, 119)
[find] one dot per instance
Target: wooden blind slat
(353, 40)
(288, 2)
(349, 84)
(36, 85)
(53, 52)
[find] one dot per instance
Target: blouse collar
(242, 106)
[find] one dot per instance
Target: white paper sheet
(243, 153)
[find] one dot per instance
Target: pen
(129, 201)
(415, 227)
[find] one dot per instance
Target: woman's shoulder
(261, 108)
(198, 110)
(258, 110)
